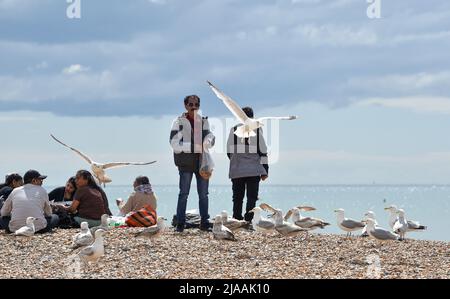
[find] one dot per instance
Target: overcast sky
(373, 94)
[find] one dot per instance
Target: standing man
(248, 166)
(189, 135)
(30, 200)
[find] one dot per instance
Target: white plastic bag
(207, 163)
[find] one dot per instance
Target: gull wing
(383, 234)
(231, 105)
(267, 208)
(120, 164)
(277, 118)
(266, 224)
(306, 208)
(74, 149)
(87, 251)
(350, 223)
(288, 214)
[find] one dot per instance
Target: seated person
(65, 193)
(12, 181)
(30, 200)
(89, 201)
(142, 196)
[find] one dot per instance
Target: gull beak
(387, 209)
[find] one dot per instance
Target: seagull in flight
(249, 124)
(99, 168)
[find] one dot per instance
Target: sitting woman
(89, 201)
(61, 196)
(142, 196)
(65, 193)
(12, 181)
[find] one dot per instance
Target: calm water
(427, 204)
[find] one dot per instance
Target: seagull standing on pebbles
(249, 124)
(347, 224)
(368, 215)
(379, 233)
(83, 238)
(232, 223)
(261, 224)
(402, 226)
(154, 231)
(95, 251)
(27, 230)
(285, 228)
(308, 223)
(393, 217)
(221, 232)
(103, 225)
(99, 168)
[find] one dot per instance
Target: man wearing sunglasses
(189, 135)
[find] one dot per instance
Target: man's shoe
(206, 227)
(179, 228)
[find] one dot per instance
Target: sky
(373, 95)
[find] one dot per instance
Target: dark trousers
(52, 222)
(239, 187)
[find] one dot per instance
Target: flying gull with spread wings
(99, 168)
(249, 125)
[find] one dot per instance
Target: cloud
(423, 104)
(75, 69)
(263, 53)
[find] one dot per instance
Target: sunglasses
(193, 105)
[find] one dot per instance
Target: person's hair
(10, 178)
(90, 178)
(71, 180)
(192, 97)
(248, 111)
(142, 180)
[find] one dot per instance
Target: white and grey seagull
(393, 216)
(369, 214)
(220, 231)
(260, 223)
(308, 223)
(84, 237)
(28, 230)
(249, 124)
(95, 251)
(347, 224)
(232, 223)
(402, 226)
(99, 168)
(379, 233)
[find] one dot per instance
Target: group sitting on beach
(80, 200)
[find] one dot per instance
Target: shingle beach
(194, 254)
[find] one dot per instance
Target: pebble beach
(196, 255)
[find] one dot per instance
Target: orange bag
(145, 217)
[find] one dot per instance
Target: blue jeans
(202, 190)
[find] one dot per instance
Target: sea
(428, 204)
